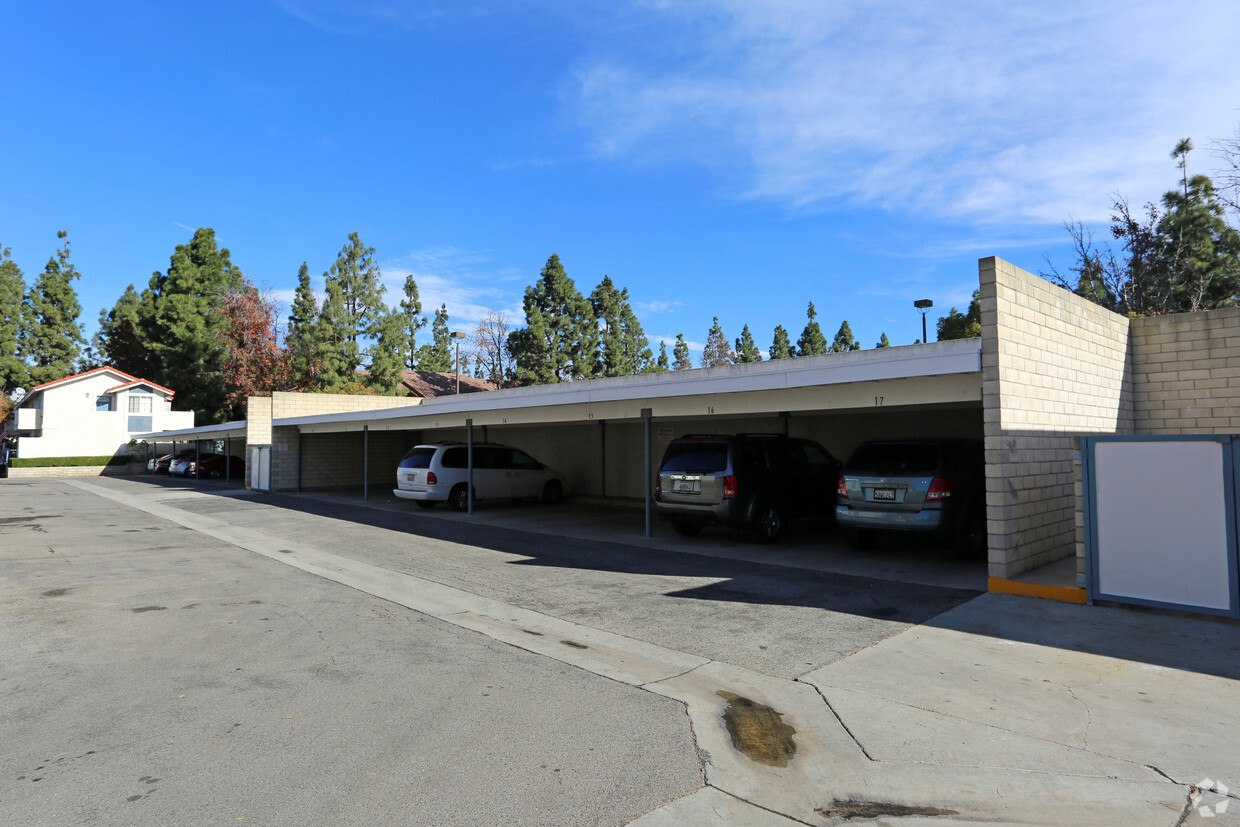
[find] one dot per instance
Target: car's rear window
(698, 457)
(895, 458)
(418, 458)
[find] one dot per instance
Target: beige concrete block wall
(1054, 366)
(1186, 373)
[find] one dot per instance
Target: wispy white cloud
(657, 306)
(1015, 113)
(459, 279)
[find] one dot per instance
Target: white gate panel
(260, 468)
(1161, 515)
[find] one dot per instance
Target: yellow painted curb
(1070, 594)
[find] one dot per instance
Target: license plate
(685, 486)
(884, 493)
(411, 477)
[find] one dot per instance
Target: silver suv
(934, 487)
(439, 472)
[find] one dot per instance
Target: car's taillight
(842, 491)
(729, 485)
(940, 489)
(658, 484)
(431, 479)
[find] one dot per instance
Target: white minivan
(438, 472)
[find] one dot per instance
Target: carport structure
(606, 435)
(232, 434)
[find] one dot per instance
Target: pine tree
(680, 354)
(387, 360)
(662, 364)
(561, 337)
(360, 310)
(331, 348)
(119, 342)
(13, 371)
(437, 356)
(623, 349)
(844, 340)
(746, 350)
(883, 342)
(957, 325)
(411, 320)
(717, 352)
(812, 342)
(51, 339)
(781, 347)
(302, 327)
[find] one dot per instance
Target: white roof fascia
(951, 357)
(201, 432)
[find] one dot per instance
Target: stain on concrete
(532, 632)
(758, 731)
(877, 809)
(14, 520)
(61, 592)
(142, 609)
(574, 644)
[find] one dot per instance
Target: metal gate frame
(1231, 504)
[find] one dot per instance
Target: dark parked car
(214, 467)
(934, 487)
(753, 482)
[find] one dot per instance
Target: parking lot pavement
(155, 675)
(913, 705)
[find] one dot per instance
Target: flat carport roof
(937, 373)
(224, 430)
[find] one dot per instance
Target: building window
(140, 407)
(103, 403)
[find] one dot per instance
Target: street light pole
(923, 305)
(458, 335)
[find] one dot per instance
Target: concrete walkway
(1004, 710)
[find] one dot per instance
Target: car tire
(767, 523)
(970, 541)
(215, 474)
(553, 492)
(458, 500)
(687, 529)
(428, 504)
(863, 539)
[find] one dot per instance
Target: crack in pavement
(830, 764)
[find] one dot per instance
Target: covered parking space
(608, 435)
(229, 437)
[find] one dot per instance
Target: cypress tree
(661, 365)
(411, 321)
(781, 347)
(844, 340)
(51, 339)
(567, 332)
(438, 356)
(746, 350)
(13, 371)
(812, 342)
(119, 342)
(386, 357)
(359, 311)
(717, 351)
(623, 349)
(302, 328)
(680, 353)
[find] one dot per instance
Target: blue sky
(736, 159)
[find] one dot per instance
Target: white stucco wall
(68, 424)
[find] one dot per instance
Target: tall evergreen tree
(746, 350)
(13, 371)
(51, 339)
(360, 311)
(182, 324)
(387, 360)
(883, 342)
(564, 324)
(301, 337)
(844, 340)
(781, 347)
(623, 349)
(957, 325)
(411, 321)
(438, 355)
(680, 354)
(661, 364)
(332, 354)
(119, 342)
(717, 351)
(812, 342)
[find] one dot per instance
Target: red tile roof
(133, 380)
